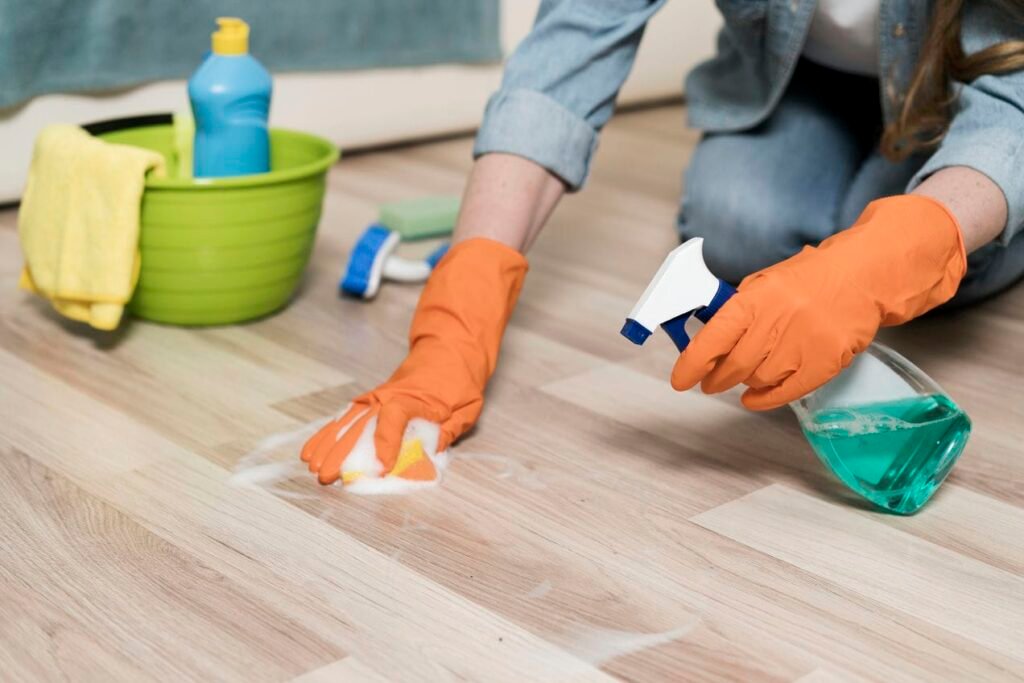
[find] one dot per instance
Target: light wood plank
(971, 524)
(139, 604)
(941, 587)
(348, 670)
(37, 407)
(379, 607)
(560, 546)
(716, 427)
(217, 384)
(826, 676)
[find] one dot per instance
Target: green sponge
(422, 217)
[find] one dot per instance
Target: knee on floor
(740, 236)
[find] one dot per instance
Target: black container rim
(127, 122)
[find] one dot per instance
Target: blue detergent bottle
(230, 96)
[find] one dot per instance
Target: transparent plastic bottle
(885, 429)
(888, 431)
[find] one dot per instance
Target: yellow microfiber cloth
(79, 223)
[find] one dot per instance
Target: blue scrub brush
(373, 260)
(366, 262)
(373, 257)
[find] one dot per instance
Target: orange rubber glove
(453, 347)
(794, 326)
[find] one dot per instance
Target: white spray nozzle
(682, 284)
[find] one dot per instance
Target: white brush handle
(398, 269)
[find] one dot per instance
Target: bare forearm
(507, 199)
(977, 203)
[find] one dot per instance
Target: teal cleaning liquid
(895, 453)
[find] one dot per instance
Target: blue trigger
(676, 327)
(724, 293)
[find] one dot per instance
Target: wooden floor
(596, 525)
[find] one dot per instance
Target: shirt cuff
(997, 154)
(534, 126)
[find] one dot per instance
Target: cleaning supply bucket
(224, 250)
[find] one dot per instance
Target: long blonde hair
(928, 107)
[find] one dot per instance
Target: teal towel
(74, 45)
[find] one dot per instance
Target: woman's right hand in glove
(453, 348)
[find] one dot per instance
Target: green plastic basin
(225, 250)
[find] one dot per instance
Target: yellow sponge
(413, 463)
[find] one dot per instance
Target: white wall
(361, 108)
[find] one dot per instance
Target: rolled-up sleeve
(987, 130)
(560, 84)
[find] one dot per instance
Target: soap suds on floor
(363, 457)
(299, 434)
(363, 463)
(388, 486)
(507, 468)
(267, 475)
(540, 590)
(410, 524)
(599, 645)
(275, 459)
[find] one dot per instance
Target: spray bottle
(230, 95)
(882, 426)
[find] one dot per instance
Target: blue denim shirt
(560, 85)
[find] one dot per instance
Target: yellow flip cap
(231, 36)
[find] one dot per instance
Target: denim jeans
(758, 196)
